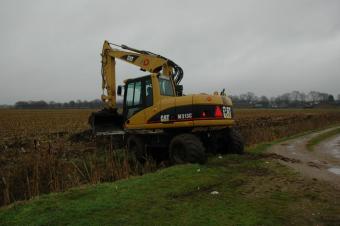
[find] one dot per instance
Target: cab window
(137, 100)
(134, 99)
(138, 95)
(166, 87)
(129, 94)
(148, 93)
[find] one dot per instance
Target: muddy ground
(322, 163)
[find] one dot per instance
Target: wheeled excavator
(156, 114)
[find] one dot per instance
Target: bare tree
(294, 96)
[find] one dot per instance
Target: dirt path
(323, 163)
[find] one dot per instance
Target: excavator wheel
(235, 142)
(228, 141)
(187, 148)
(136, 148)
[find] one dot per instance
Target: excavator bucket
(106, 122)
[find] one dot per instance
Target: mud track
(323, 163)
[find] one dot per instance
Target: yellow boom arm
(147, 61)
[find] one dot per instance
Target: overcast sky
(51, 49)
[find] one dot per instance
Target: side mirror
(119, 90)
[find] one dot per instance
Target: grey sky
(50, 49)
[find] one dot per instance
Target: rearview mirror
(119, 90)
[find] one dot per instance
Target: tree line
(292, 99)
(295, 99)
(41, 104)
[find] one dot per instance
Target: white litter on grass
(220, 157)
(267, 162)
(198, 170)
(214, 193)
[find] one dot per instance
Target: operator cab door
(138, 96)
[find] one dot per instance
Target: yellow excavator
(156, 114)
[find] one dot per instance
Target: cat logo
(131, 58)
(165, 118)
(226, 112)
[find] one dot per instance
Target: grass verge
(321, 137)
(252, 190)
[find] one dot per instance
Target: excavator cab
(138, 96)
(144, 93)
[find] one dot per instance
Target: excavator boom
(145, 60)
(108, 118)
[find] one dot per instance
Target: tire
(136, 148)
(187, 148)
(217, 143)
(235, 143)
(228, 141)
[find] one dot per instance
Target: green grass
(321, 137)
(252, 190)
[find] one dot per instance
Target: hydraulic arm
(145, 60)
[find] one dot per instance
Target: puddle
(333, 148)
(335, 141)
(288, 146)
(291, 147)
(335, 152)
(334, 170)
(299, 141)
